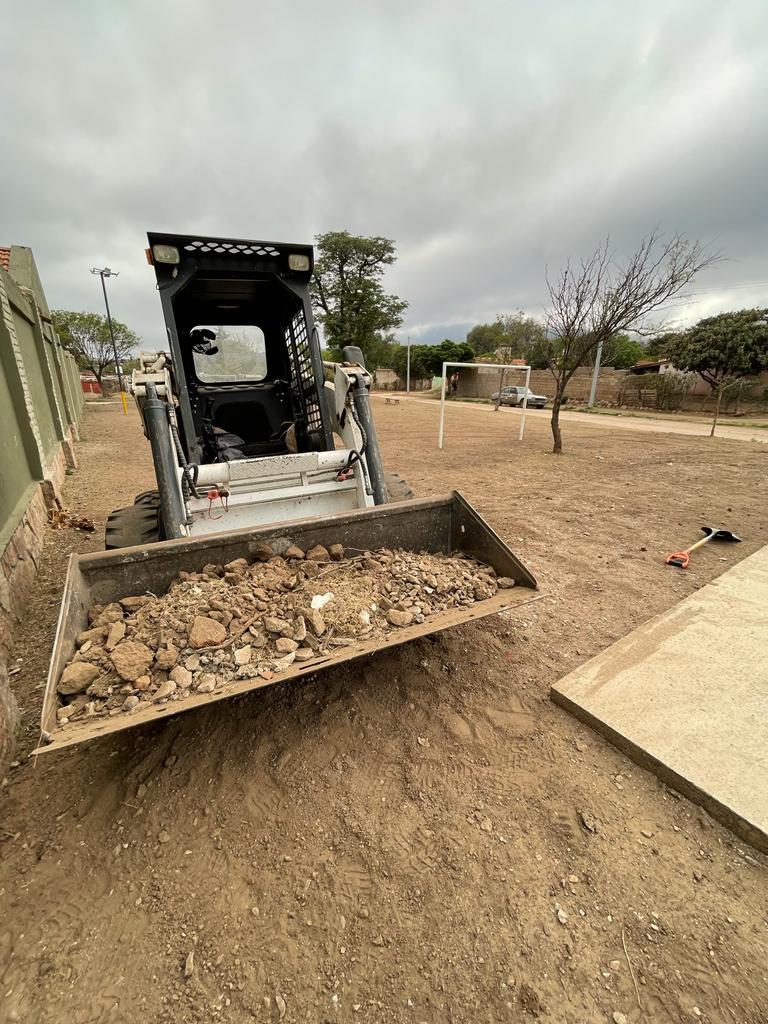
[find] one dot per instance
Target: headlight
(298, 261)
(165, 253)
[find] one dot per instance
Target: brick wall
(482, 382)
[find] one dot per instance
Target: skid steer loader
(255, 439)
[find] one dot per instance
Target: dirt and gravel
(422, 836)
(253, 620)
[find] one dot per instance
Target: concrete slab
(686, 695)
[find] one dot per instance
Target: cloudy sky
(489, 139)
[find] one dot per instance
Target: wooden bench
(392, 401)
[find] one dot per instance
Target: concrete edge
(737, 824)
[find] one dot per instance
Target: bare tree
(591, 303)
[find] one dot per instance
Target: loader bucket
(447, 524)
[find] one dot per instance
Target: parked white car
(514, 396)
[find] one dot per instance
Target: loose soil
(419, 837)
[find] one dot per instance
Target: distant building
(385, 379)
(662, 365)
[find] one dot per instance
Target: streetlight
(106, 272)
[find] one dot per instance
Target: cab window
(237, 353)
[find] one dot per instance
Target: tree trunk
(718, 396)
(501, 385)
(557, 439)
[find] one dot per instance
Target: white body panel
(271, 489)
(274, 489)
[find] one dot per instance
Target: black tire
(147, 498)
(135, 526)
(397, 488)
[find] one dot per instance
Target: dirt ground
(393, 841)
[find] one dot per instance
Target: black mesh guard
(303, 384)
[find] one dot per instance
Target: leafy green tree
(540, 352)
(510, 336)
(449, 352)
(723, 350)
(86, 336)
(659, 346)
(624, 352)
(427, 360)
(486, 338)
(621, 352)
(382, 351)
(348, 295)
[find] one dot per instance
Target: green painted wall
(35, 378)
(40, 391)
(15, 474)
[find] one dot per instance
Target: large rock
(131, 659)
(206, 683)
(111, 613)
(243, 655)
(318, 554)
(94, 636)
(182, 677)
(398, 618)
(206, 632)
(273, 624)
(77, 677)
(299, 629)
(262, 553)
(314, 620)
(116, 634)
(132, 604)
(166, 658)
(164, 691)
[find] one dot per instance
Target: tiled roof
(5, 258)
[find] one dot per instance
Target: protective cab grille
(303, 384)
(232, 248)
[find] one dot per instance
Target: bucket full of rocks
(280, 611)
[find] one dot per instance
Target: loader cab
(245, 358)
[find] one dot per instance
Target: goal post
(489, 366)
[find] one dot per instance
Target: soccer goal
(489, 366)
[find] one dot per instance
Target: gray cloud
(489, 140)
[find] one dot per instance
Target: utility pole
(106, 272)
(595, 375)
(408, 367)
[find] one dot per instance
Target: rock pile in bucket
(250, 620)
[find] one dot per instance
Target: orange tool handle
(678, 558)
